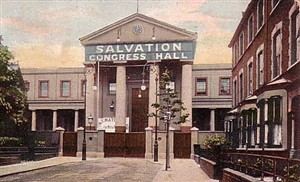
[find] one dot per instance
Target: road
(108, 169)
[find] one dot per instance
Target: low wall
(209, 167)
(230, 175)
(94, 143)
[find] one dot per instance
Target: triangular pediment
(138, 28)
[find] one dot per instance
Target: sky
(45, 33)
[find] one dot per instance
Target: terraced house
(266, 79)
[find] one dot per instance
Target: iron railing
(279, 168)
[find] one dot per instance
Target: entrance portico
(130, 53)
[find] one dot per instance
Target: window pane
(65, 92)
(201, 86)
(44, 89)
(112, 88)
(225, 86)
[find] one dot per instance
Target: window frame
(276, 62)
(251, 27)
(62, 88)
(241, 44)
(241, 86)
(260, 22)
(260, 69)
(40, 89)
(196, 88)
(220, 85)
(294, 37)
(250, 78)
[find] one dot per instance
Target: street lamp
(155, 134)
(90, 120)
(84, 132)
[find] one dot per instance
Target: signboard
(108, 124)
(145, 51)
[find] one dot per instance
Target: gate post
(149, 143)
(171, 142)
(194, 140)
(100, 143)
(61, 131)
(79, 141)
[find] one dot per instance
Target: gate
(70, 144)
(124, 144)
(182, 145)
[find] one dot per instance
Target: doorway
(139, 110)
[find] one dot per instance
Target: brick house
(266, 78)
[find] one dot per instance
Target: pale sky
(45, 33)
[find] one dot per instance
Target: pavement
(181, 169)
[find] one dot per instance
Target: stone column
(149, 143)
(153, 89)
(186, 95)
(212, 119)
(121, 99)
(33, 120)
(90, 94)
(76, 120)
(54, 120)
(194, 140)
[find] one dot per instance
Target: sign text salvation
(146, 51)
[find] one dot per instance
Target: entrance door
(139, 110)
(70, 144)
(182, 145)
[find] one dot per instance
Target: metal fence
(261, 166)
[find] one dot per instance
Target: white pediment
(138, 28)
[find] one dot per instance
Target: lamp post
(155, 134)
(84, 139)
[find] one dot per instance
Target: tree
(12, 96)
(171, 103)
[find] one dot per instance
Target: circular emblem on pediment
(137, 29)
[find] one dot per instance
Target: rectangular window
(112, 88)
(250, 29)
(83, 86)
(250, 79)
(43, 88)
(276, 54)
(241, 80)
(260, 13)
(224, 86)
(235, 95)
(236, 53)
(275, 121)
(65, 90)
(241, 43)
(260, 68)
(295, 37)
(201, 86)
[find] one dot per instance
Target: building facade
(266, 72)
(55, 98)
(211, 96)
